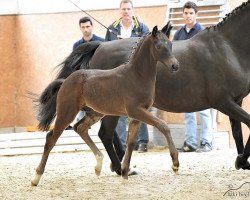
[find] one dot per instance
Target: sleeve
(74, 46)
(107, 37)
(176, 35)
(144, 29)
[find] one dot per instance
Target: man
(125, 27)
(191, 28)
(86, 27)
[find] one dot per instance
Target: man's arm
(144, 29)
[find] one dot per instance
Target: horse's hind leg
(234, 110)
(107, 136)
(81, 128)
(66, 113)
(237, 133)
(51, 140)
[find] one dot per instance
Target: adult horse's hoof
(246, 166)
(242, 163)
(117, 170)
(132, 172)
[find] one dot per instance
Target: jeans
(121, 130)
(80, 115)
(206, 134)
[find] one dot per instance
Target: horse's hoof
(175, 169)
(117, 169)
(111, 167)
(246, 166)
(97, 172)
(132, 172)
(36, 180)
(33, 184)
(124, 174)
(241, 162)
(125, 177)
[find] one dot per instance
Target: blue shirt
(81, 41)
(182, 34)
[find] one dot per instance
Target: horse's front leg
(81, 128)
(133, 128)
(145, 116)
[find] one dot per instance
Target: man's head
(86, 26)
(126, 9)
(190, 13)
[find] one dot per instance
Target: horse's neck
(235, 28)
(142, 62)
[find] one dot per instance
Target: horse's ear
(154, 31)
(167, 29)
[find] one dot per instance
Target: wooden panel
(33, 142)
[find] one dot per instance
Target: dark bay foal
(126, 90)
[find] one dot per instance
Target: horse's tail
(78, 59)
(47, 105)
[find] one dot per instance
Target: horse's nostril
(175, 67)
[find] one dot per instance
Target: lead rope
(92, 17)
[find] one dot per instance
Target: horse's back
(113, 53)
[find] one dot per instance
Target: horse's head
(162, 47)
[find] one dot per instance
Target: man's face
(86, 28)
(189, 16)
(126, 10)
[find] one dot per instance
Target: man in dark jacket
(86, 27)
(127, 26)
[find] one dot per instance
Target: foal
(126, 90)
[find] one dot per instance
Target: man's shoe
(187, 148)
(205, 148)
(143, 147)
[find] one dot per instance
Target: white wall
(54, 6)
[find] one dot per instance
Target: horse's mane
(229, 15)
(137, 47)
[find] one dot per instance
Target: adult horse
(215, 73)
(126, 90)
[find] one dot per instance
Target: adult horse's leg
(146, 117)
(107, 136)
(133, 128)
(63, 119)
(120, 149)
(236, 112)
(237, 133)
(82, 127)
